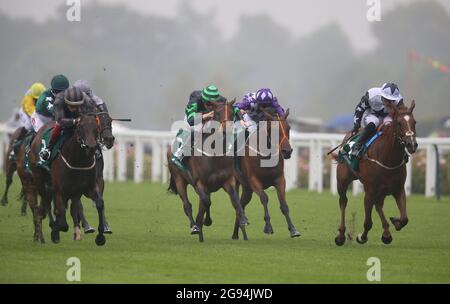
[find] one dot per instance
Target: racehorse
(382, 171)
(11, 167)
(255, 178)
(208, 174)
(73, 174)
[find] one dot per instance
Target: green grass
(151, 243)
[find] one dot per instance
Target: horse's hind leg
(31, 197)
(281, 191)
(368, 206)
(400, 199)
(245, 199)
(84, 223)
(386, 237)
(10, 169)
(344, 178)
(75, 213)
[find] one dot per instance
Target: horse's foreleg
(187, 206)
(400, 199)
(245, 199)
(257, 187)
(230, 188)
(368, 206)
(95, 195)
(386, 237)
(31, 197)
(101, 186)
(281, 191)
(204, 204)
(60, 204)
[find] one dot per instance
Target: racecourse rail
(317, 143)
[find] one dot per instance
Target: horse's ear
(232, 102)
(411, 108)
(268, 115)
(286, 114)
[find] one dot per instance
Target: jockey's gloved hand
(355, 130)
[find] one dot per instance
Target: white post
(165, 170)
(290, 170)
(121, 160)
(312, 166)
(357, 187)
(156, 161)
(138, 161)
(408, 182)
(430, 180)
(2, 152)
(319, 172)
(333, 173)
(108, 160)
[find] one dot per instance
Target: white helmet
(391, 92)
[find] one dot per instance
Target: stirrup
(45, 154)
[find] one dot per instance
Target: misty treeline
(145, 66)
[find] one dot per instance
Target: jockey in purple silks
(253, 103)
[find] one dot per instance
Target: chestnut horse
(208, 174)
(255, 178)
(382, 172)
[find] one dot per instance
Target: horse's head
(223, 111)
(405, 124)
(284, 130)
(104, 122)
(86, 133)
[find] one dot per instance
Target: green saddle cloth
(65, 134)
(347, 155)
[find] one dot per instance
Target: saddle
(346, 152)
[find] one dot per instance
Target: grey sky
(299, 16)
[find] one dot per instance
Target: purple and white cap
(264, 96)
(390, 91)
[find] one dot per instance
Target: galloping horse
(256, 178)
(383, 173)
(73, 173)
(208, 174)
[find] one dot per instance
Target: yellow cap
(37, 89)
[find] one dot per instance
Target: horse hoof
(208, 221)
(235, 237)
(55, 236)
(195, 230)
(340, 240)
(89, 230)
(268, 229)
(64, 228)
(107, 230)
(386, 240)
(4, 202)
(100, 240)
(295, 234)
(396, 222)
(360, 240)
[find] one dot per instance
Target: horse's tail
(172, 186)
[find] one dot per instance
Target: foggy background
(145, 57)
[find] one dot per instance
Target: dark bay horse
(73, 174)
(11, 167)
(255, 178)
(208, 174)
(383, 173)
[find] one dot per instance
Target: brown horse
(255, 178)
(208, 174)
(11, 167)
(73, 173)
(383, 173)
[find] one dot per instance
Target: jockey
(197, 104)
(83, 85)
(44, 105)
(371, 111)
(253, 103)
(29, 104)
(67, 110)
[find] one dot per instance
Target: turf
(151, 243)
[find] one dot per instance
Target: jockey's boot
(16, 144)
(46, 152)
(177, 159)
(368, 131)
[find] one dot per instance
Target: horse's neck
(388, 150)
(74, 154)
